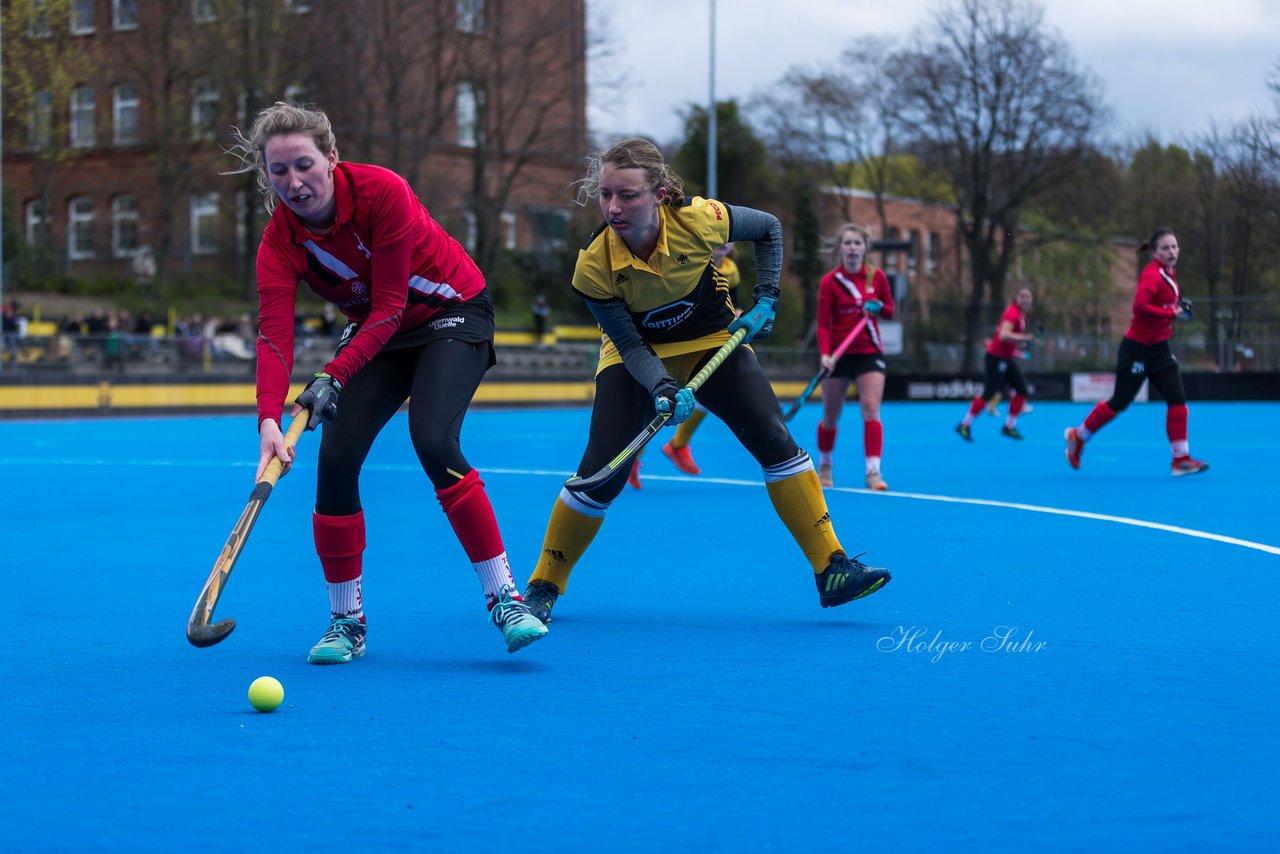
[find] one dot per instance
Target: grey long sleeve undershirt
(761, 228)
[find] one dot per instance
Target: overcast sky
(1173, 68)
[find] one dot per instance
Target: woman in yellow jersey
(677, 450)
(648, 278)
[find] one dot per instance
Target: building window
(204, 224)
(933, 253)
(124, 226)
(508, 230)
(913, 256)
(470, 16)
(40, 27)
(470, 103)
(204, 110)
(204, 11)
(40, 134)
(80, 229)
(296, 93)
(37, 223)
(81, 17)
(470, 232)
(124, 114)
(550, 229)
(297, 7)
(124, 14)
(82, 117)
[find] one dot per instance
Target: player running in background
(677, 450)
(647, 276)
(1145, 354)
(1001, 367)
(853, 290)
(421, 328)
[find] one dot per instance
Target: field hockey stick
(199, 631)
(623, 459)
(825, 371)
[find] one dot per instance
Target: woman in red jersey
(1001, 367)
(420, 328)
(1145, 355)
(853, 290)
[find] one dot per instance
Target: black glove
(1184, 306)
(321, 397)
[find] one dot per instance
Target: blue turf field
(691, 694)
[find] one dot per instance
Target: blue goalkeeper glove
(679, 403)
(1184, 309)
(321, 397)
(872, 306)
(759, 320)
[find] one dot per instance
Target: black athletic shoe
(846, 578)
(963, 430)
(1011, 432)
(539, 597)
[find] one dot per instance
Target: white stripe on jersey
(426, 286)
(330, 261)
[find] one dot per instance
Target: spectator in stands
(541, 313)
(10, 331)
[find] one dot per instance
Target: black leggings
(738, 393)
(439, 379)
(1154, 362)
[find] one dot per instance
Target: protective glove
(872, 306)
(678, 402)
(759, 320)
(1184, 309)
(321, 397)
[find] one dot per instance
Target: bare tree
(996, 101)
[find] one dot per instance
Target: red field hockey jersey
(841, 296)
(386, 263)
(1154, 305)
(1006, 348)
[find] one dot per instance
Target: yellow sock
(802, 508)
(573, 525)
(686, 428)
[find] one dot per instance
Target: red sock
(872, 438)
(1016, 404)
(1175, 423)
(826, 438)
(467, 506)
(1099, 417)
(977, 405)
(339, 545)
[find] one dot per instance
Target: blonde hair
(849, 226)
(633, 153)
(280, 119)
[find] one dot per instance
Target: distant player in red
(421, 329)
(1145, 355)
(853, 290)
(1001, 367)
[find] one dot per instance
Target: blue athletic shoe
(519, 627)
(343, 642)
(846, 578)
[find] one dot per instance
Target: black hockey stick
(199, 630)
(624, 458)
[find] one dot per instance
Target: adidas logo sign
(555, 554)
(622, 277)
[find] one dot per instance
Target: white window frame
(124, 14)
(203, 219)
(470, 230)
(126, 105)
(297, 7)
(470, 14)
(124, 226)
(81, 13)
(509, 221)
(467, 106)
(80, 229)
(917, 247)
(204, 11)
(932, 252)
(38, 225)
(40, 27)
(83, 110)
(204, 109)
(40, 134)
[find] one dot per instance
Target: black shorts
(854, 365)
(470, 321)
(1137, 359)
(999, 373)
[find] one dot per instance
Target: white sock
(345, 601)
(495, 578)
(824, 458)
(873, 465)
(1181, 448)
(1084, 433)
(1011, 421)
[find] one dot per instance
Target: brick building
(117, 114)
